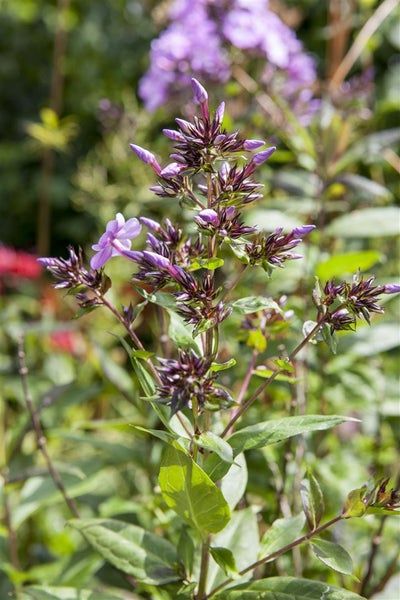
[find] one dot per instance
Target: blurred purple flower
(199, 39)
(116, 240)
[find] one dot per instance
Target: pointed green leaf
(286, 588)
(333, 556)
(225, 559)
(242, 538)
(131, 549)
(211, 441)
(189, 491)
(354, 506)
(312, 501)
(281, 533)
(215, 367)
(270, 432)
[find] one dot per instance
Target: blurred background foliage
(69, 108)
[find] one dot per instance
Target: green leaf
(210, 263)
(242, 538)
(49, 592)
(368, 222)
(131, 549)
(332, 555)
(286, 588)
(312, 501)
(282, 532)
(277, 430)
(225, 559)
(189, 491)
(252, 304)
(340, 265)
(181, 333)
(354, 506)
(215, 367)
(233, 484)
(266, 373)
(211, 441)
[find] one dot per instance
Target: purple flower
(116, 240)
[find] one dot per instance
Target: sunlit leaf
(340, 265)
(270, 432)
(49, 592)
(189, 491)
(366, 223)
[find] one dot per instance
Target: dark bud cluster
(187, 380)
(344, 303)
(273, 250)
(88, 286)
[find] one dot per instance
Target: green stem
(276, 554)
(271, 378)
(205, 560)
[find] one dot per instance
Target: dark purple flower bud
(184, 125)
(156, 260)
(219, 113)
(259, 158)
(253, 144)
(147, 157)
(150, 224)
(174, 135)
(392, 288)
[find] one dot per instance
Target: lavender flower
(116, 240)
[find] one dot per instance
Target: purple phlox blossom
(203, 37)
(259, 158)
(116, 241)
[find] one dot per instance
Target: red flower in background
(18, 263)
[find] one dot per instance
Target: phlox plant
(191, 275)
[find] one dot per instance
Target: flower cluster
(72, 275)
(187, 380)
(273, 250)
(344, 303)
(201, 39)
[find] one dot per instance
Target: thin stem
(271, 378)
(131, 332)
(245, 384)
(361, 41)
(205, 560)
(234, 283)
(37, 426)
(372, 555)
(276, 554)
